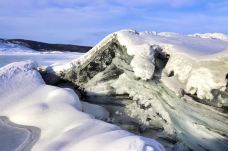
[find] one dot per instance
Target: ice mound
(27, 100)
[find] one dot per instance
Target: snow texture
(190, 59)
(27, 100)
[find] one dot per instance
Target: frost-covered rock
(57, 112)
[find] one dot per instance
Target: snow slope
(27, 100)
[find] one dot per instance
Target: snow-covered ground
(27, 100)
(10, 52)
(40, 58)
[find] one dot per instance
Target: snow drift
(57, 112)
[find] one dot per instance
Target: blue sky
(86, 22)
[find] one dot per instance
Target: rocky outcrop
(144, 104)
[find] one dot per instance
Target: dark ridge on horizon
(42, 46)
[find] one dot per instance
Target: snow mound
(27, 100)
(219, 36)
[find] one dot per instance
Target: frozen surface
(11, 134)
(27, 100)
(13, 53)
(17, 137)
(40, 58)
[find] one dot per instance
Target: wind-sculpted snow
(57, 112)
(188, 59)
(160, 82)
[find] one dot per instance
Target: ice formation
(163, 81)
(190, 59)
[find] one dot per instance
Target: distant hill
(41, 46)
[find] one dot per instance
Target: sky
(86, 22)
